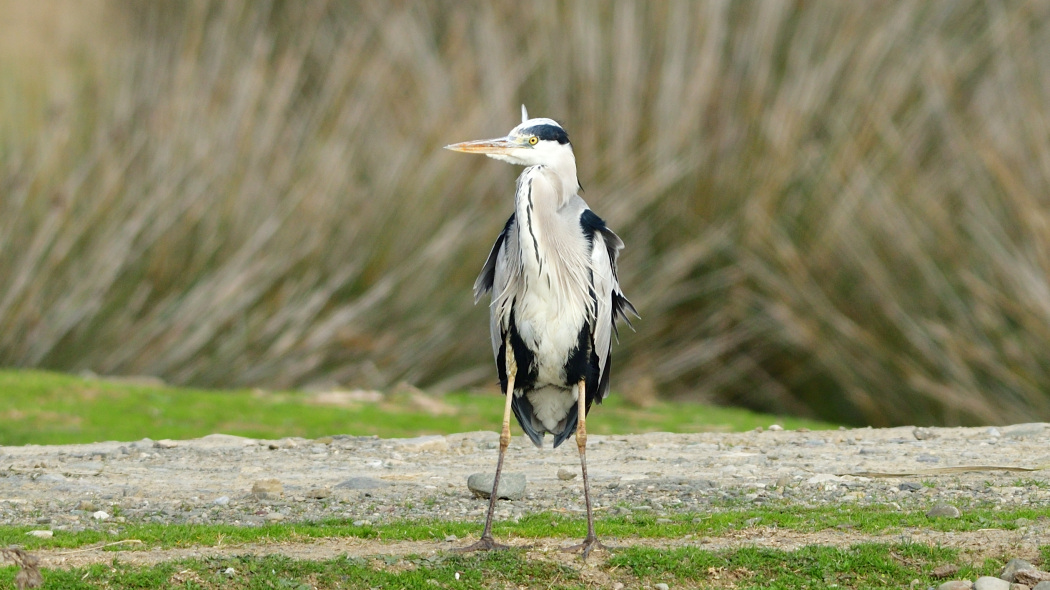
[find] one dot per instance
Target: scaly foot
(589, 544)
(485, 543)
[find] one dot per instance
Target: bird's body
(547, 295)
(555, 295)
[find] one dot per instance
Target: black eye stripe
(548, 133)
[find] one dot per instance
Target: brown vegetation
(830, 208)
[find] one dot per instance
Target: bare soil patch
(366, 479)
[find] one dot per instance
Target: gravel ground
(367, 479)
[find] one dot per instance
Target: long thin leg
(591, 542)
(486, 542)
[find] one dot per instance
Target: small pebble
(943, 510)
(451, 538)
(945, 571)
(165, 444)
(924, 434)
(363, 483)
(661, 586)
(221, 501)
(511, 485)
(775, 427)
(100, 515)
(267, 489)
(566, 475)
(275, 517)
(41, 534)
(229, 572)
(1032, 577)
(1013, 566)
(990, 583)
(956, 585)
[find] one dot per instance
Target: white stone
(990, 583)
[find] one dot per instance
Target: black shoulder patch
(549, 132)
(591, 224)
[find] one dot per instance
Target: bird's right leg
(486, 542)
(591, 542)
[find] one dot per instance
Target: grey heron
(555, 300)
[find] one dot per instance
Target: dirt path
(107, 485)
(976, 545)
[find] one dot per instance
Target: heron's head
(534, 142)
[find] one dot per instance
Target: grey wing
(485, 280)
(495, 277)
(609, 299)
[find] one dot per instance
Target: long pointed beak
(501, 145)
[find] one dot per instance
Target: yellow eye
(533, 140)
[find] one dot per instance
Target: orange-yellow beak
(502, 145)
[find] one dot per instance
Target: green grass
(505, 569)
(859, 519)
(49, 408)
(868, 566)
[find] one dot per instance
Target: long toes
(483, 544)
(586, 547)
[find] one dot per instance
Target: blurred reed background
(831, 209)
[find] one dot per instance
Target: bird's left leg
(591, 542)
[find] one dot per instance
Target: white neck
(562, 166)
(550, 239)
